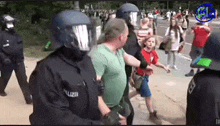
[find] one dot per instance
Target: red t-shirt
(178, 15)
(150, 57)
(201, 35)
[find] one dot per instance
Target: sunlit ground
(36, 51)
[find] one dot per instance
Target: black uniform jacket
(203, 99)
(11, 47)
(64, 92)
(133, 48)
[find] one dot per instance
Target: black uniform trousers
(126, 97)
(131, 47)
(19, 68)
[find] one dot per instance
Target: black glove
(101, 87)
(97, 123)
(112, 118)
(7, 61)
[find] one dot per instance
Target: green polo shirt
(111, 67)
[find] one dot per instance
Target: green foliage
(115, 4)
(178, 4)
(96, 21)
(33, 34)
(38, 34)
(150, 5)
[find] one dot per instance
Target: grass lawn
(36, 51)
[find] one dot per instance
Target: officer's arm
(2, 55)
(48, 95)
(131, 44)
(138, 55)
(102, 106)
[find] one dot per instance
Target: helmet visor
(135, 19)
(9, 25)
(8, 18)
(83, 37)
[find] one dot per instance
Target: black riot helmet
(74, 30)
(8, 23)
(130, 13)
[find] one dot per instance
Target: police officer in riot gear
(63, 85)
(12, 58)
(203, 96)
(130, 13)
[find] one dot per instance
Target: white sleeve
(181, 30)
(167, 31)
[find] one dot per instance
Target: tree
(178, 4)
(116, 4)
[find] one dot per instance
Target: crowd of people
(91, 84)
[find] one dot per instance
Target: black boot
(154, 118)
(191, 73)
(3, 94)
(28, 100)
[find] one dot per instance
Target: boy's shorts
(145, 90)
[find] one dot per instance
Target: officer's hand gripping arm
(109, 117)
(112, 118)
(3, 57)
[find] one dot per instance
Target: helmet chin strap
(10, 30)
(10, 27)
(74, 53)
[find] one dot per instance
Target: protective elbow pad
(143, 65)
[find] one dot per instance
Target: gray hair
(113, 29)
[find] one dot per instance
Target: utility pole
(76, 3)
(188, 4)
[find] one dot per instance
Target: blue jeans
(145, 90)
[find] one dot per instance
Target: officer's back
(203, 96)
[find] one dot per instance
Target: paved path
(14, 111)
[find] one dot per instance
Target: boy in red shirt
(202, 32)
(151, 57)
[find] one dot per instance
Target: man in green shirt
(109, 59)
